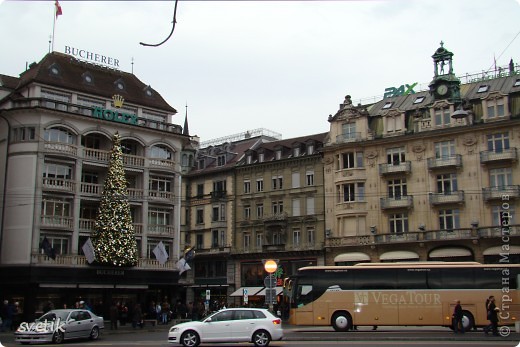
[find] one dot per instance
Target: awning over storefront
(448, 252)
(499, 249)
(250, 291)
(279, 290)
(399, 255)
(351, 256)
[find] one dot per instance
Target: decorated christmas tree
(113, 237)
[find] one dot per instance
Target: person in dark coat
(114, 312)
(493, 315)
(457, 319)
(137, 316)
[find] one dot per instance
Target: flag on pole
(58, 10)
(88, 250)
(182, 266)
(47, 248)
(160, 253)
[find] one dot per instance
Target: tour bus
(405, 294)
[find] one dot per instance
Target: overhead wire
(174, 21)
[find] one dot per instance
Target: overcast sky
(280, 65)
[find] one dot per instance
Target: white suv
(256, 325)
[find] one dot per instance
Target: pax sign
(402, 90)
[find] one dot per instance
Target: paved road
(311, 336)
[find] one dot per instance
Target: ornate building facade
(57, 121)
(432, 175)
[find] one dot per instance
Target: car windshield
(50, 316)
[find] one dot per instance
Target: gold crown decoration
(118, 100)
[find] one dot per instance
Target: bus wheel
(468, 322)
(341, 321)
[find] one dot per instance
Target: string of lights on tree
(113, 236)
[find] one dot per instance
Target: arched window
(59, 135)
(161, 152)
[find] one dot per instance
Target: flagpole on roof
(57, 12)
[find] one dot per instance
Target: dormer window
(296, 151)
(517, 83)
(200, 164)
(483, 88)
(388, 105)
(278, 154)
(87, 78)
(119, 84)
(261, 157)
(54, 69)
(310, 149)
(249, 159)
(148, 91)
(221, 160)
(419, 99)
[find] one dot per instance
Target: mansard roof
(64, 71)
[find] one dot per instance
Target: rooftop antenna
(132, 65)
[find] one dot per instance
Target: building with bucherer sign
(57, 122)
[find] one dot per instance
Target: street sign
(270, 265)
(208, 292)
(246, 298)
(270, 296)
(270, 281)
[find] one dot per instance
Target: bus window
(462, 278)
(367, 278)
(304, 294)
(411, 278)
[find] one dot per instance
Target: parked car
(60, 325)
(256, 325)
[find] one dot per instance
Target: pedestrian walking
(493, 315)
(457, 318)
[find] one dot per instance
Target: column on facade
(144, 212)
(38, 198)
(76, 211)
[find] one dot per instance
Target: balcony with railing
(88, 111)
(353, 174)
(160, 195)
(454, 161)
(397, 168)
(422, 236)
(456, 197)
(160, 229)
(73, 260)
(57, 222)
(499, 193)
(65, 149)
(218, 194)
(96, 155)
(91, 189)
(135, 194)
(349, 137)
(59, 185)
(215, 249)
(401, 202)
(161, 163)
(507, 154)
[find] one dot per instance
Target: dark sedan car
(60, 325)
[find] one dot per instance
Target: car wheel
(94, 334)
(190, 339)
(58, 337)
(341, 321)
(261, 338)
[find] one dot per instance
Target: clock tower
(445, 85)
